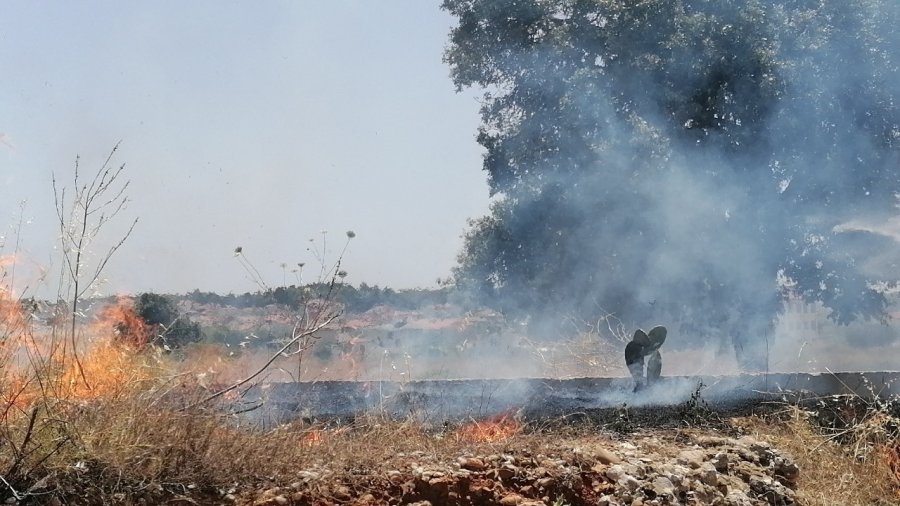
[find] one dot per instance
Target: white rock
(692, 458)
(629, 482)
(615, 472)
(663, 486)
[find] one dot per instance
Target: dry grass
(138, 445)
(831, 472)
(125, 437)
(137, 441)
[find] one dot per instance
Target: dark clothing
(634, 359)
(654, 367)
(634, 353)
(645, 345)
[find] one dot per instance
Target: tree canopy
(690, 160)
(167, 325)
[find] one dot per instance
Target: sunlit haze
(257, 125)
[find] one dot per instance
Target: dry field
(127, 425)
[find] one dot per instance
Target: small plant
(560, 502)
(695, 411)
(622, 422)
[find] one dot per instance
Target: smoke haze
(685, 162)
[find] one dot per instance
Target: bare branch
(77, 231)
(109, 255)
(295, 339)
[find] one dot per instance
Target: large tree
(687, 160)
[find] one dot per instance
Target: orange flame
(35, 365)
(110, 363)
(109, 368)
(313, 437)
(124, 323)
(318, 436)
(494, 429)
(12, 314)
(892, 457)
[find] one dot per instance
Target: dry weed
(832, 472)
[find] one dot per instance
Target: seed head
(351, 234)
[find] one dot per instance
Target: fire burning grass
(122, 440)
(317, 437)
(41, 365)
(495, 429)
(125, 435)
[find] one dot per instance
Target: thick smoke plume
(690, 161)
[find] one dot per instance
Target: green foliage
(170, 328)
(354, 300)
(685, 161)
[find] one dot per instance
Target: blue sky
(253, 124)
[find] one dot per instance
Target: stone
(615, 473)
(512, 500)
(395, 477)
(787, 470)
(732, 483)
(662, 486)
(675, 473)
(707, 474)
(308, 476)
(720, 462)
(343, 493)
(507, 472)
(440, 486)
(691, 458)
(629, 482)
(737, 499)
(708, 441)
(545, 482)
(706, 494)
(605, 456)
(472, 464)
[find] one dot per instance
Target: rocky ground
(646, 469)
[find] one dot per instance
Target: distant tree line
(354, 299)
(163, 324)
